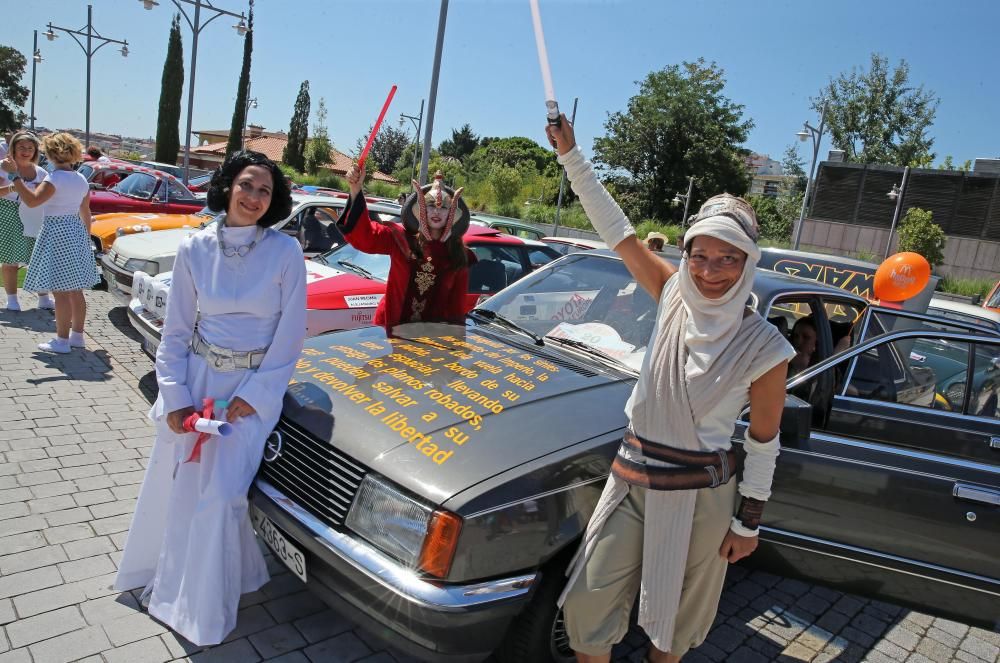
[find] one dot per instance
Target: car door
(892, 476)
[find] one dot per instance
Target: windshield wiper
(493, 316)
(585, 347)
(356, 268)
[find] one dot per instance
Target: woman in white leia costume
(234, 328)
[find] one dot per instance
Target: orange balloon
(901, 276)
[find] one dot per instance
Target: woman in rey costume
(429, 263)
(665, 526)
(234, 328)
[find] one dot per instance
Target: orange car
(106, 228)
(993, 299)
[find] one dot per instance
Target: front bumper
(119, 281)
(431, 621)
(147, 326)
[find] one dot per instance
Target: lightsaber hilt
(552, 112)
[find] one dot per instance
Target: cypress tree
(242, 91)
(298, 131)
(168, 139)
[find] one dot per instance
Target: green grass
(966, 287)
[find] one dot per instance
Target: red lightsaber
(378, 123)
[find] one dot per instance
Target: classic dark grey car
(433, 485)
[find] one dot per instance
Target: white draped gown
(191, 537)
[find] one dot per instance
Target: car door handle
(976, 494)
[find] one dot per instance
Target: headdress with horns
(436, 194)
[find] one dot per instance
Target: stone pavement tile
(113, 524)
(944, 637)
(992, 637)
(295, 606)
(49, 504)
(20, 525)
(18, 542)
(131, 628)
(249, 621)
(870, 625)
(981, 648)
(94, 483)
(935, 651)
(742, 655)
(109, 608)
(848, 605)
(966, 657)
(81, 472)
(178, 646)
(126, 478)
(31, 559)
(60, 596)
(282, 584)
(954, 628)
(876, 656)
(53, 489)
(70, 647)
(322, 625)
(277, 640)
(44, 626)
(796, 652)
(99, 587)
(833, 621)
(88, 567)
(67, 533)
(342, 648)
(814, 638)
(68, 516)
(29, 581)
(89, 547)
(299, 657)
(116, 508)
(81, 459)
(150, 650)
(126, 492)
(903, 637)
(238, 651)
(14, 495)
(64, 450)
(16, 656)
(6, 611)
(726, 638)
(13, 510)
(891, 650)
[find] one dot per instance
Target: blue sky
(776, 54)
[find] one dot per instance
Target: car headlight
(407, 529)
(151, 267)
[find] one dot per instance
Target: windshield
(139, 185)
(346, 258)
(583, 298)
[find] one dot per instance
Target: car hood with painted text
(439, 408)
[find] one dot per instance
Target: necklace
(243, 249)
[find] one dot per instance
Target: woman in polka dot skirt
(61, 261)
(20, 224)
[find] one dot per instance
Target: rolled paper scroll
(210, 426)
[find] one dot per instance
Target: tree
(679, 124)
(516, 152)
(12, 93)
(242, 91)
(505, 181)
(791, 166)
(168, 139)
(388, 146)
(318, 150)
(776, 215)
(949, 164)
(298, 131)
(919, 233)
(461, 144)
(878, 116)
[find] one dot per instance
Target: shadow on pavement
(36, 320)
(118, 316)
(80, 364)
(149, 387)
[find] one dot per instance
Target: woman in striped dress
(61, 261)
(18, 224)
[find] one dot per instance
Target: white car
(153, 252)
(956, 310)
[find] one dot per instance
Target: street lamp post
(36, 57)
(897, 194)
(432, 99)
(196, 25)
(686, 197)
(417, 123)
(251, 103)
(817, 137)
(91, 34)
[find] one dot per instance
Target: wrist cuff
(736, 527)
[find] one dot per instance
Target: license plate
(282, 548)
(112, 281)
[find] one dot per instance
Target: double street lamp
(92, 35)
(686, 197)
(817, 137)
(896, 195)
(417, 122)
(251, 103)
(196, 25)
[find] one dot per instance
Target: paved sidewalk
(74, 440)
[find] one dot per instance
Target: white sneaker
(59, 345)
(76, 340)
(46, 302)
(12, 303)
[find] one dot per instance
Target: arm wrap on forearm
(604, 213)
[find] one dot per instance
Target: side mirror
(796, 422)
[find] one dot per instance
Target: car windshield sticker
(434, 393)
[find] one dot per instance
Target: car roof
(493, 218)
(334, 201)
(130, 168)
(577, 241)
(767, 284)
(946, 304)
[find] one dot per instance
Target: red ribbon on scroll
(208, 406)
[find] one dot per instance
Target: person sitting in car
(804, 340)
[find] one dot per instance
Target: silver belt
(224, 359)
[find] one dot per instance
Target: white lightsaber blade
(543, 63)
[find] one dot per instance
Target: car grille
(313, 474)
(119, 259)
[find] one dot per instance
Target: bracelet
(750, 512)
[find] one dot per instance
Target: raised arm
(605, 215)
(357, 227)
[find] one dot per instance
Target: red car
(345, 285)
(141, 190)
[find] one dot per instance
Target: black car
(434, 484)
